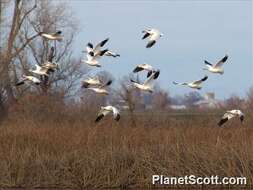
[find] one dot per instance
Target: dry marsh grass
(79, 154)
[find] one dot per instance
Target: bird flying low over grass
(106, 110)
(153, 35)
(216, 68)
(148, 85)
(194, 84)
(26, 78)
(100, 89)
(91, 81)
(52, 36)
(231, 114)
(40, 70)
(148, 68)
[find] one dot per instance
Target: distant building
(178, 107)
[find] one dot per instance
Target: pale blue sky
(193, 31)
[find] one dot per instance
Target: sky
(194, 31)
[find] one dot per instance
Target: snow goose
(95, 51)
(153, 35)
(106, 110)
(53, 36)
(148, 68)
(217, 68)
(100, 89)
(194, 84)
(147, 85)
(51, 66)
(91, 81)
(231, 114)
(28, 78)
(40, 70)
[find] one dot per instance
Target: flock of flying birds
(94, 53)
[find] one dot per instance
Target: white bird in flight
(100, 89)
(40, 70)
(194, 84)
(96, 51)
(106, 110)
(148, 68)
(217, 68)
(231, 114)
(91, 81)
(147, 85)
(52, 36)
(51, 66)
(153, 35)
(28, 78)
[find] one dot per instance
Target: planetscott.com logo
(196, 180)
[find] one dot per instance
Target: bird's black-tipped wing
(242, 118)
(133, 81)
(117, 118)
(207, 63)
(205, 78)
(149, 74)
(145, 35)
(137, 69)
(58, 32)
(20, 83)
(222, 121)
(90, 45)
(101, 53)
(157, 73)
(150, 44)
(102, 43)
(224, 59)
(85, 84)
(109, 83)
(99, 117)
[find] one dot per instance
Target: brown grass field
(68, 153)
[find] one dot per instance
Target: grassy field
(80, 154)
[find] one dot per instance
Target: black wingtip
(99, 118)
(205, 78)
(132, 80)
(90, 45)
(85, 85)
(157, 73)
(109, 83)
(149, 74)
(150, 44)
(207, 63)
(117, 118)
(20, 83)
(104, 42)
(242, 118)
(224, 59)
(103, 52)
